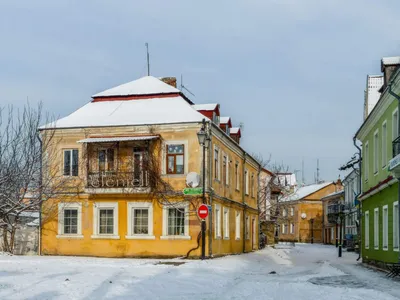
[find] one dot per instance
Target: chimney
(389, 65)
(169, 80)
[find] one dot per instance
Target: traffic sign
(193, 191)
(202, 211)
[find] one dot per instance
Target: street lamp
(340, 234)
(203, 137)
(312, 231)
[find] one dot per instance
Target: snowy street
(303, 272)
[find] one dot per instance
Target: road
(301, 272)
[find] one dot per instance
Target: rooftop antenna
(148, 59)
(318, 170)
(183, 87)
(241, 126)
(302, 171)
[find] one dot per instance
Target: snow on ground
(303, 272)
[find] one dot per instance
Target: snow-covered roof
(333, 194)
(209, 106)
(234, 130)
(305, 191)
(118, 139)
(147, 85)
(394, 60)
(33, 223)
(169, 110)
(29, 214)
(224, 120)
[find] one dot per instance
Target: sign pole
(203, 222)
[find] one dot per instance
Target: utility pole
(148, 59)
(302, 172)
(318, 170)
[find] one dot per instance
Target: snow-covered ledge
(105, 237)
(394, 166)
(140, 237)
(69, 236)
(175, 237)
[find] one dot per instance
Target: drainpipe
(243, 200)
(258, 204)
(398, 178)
(40, 194)
(359, 202)
(210, 192)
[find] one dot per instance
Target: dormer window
(215, 118)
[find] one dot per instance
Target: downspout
(359, 202)
(40, 194)
(398, 131)
(210, 192)
(258, 204)
(243, 200)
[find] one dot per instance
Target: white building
(351, 189)
(371, 93)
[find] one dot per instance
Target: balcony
(334, 212)
(394, 163)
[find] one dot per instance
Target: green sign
(193, 191)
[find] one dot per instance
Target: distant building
(333, 208)
(372, 93)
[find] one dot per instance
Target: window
(384, 145)
(247, 228)
(226, 170)
(376, 151)
(237, 227)
(106, 160)
(366, 161)
(284, 212)
(105, 221)
(366, 231)
(140, 220)
(215, 118)
(237, 175)
(217, 210)
(216, 163)
(291, 228)
(396, 226)
(175, 159)
(385, 234)
(252, 186)
(395, 124)
(332, 234)
(226, 223)
(376, 228)
(71, 162)
(284, 228)
(176, 221)
(246, 176)
(70, 220)
(292, 211)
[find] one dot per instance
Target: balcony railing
(118, 179)
(396, 146)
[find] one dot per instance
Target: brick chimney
(169, 80)
(389, 65)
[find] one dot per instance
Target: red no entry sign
(202, 211)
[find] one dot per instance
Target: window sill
(385, 249)
(227, 238)
(396, 249)
(367, 248)
(217, 237)
(140, 237)
(237, 190)
(376, 248)
(237, 239)
(66, 236)
(105, 237)
(175, 237)
(174, 175)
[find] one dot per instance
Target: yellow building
(126, 156)
(302, 214)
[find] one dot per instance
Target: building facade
(372, 93)
(379, 198)
(127, 154)
(333, 217)
(351, 208)
(302, 213)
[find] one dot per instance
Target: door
(137, 167)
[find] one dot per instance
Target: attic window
(215, 118)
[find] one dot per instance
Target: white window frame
(376, 228)
(385, 228)
(237, 166)
(69, 205)
(252, 185)
(218, 164)
(384, 144)
(291, 228)
(97, 206)
(225, 218)
(71, 162)
(395, 220)
(185, 144)
(237, 225)
(165, 236)
(247, 228)
(217, 221)
(284, 228)
(246, 174)
(284, 212)
(376, 152)
(366, 229)
(106, 159)
(226, 169)
(140, 205)
(366, 160)
(395, 126)
(292, 211)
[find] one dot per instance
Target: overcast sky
(293, 72)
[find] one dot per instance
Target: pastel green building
(379, 135)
